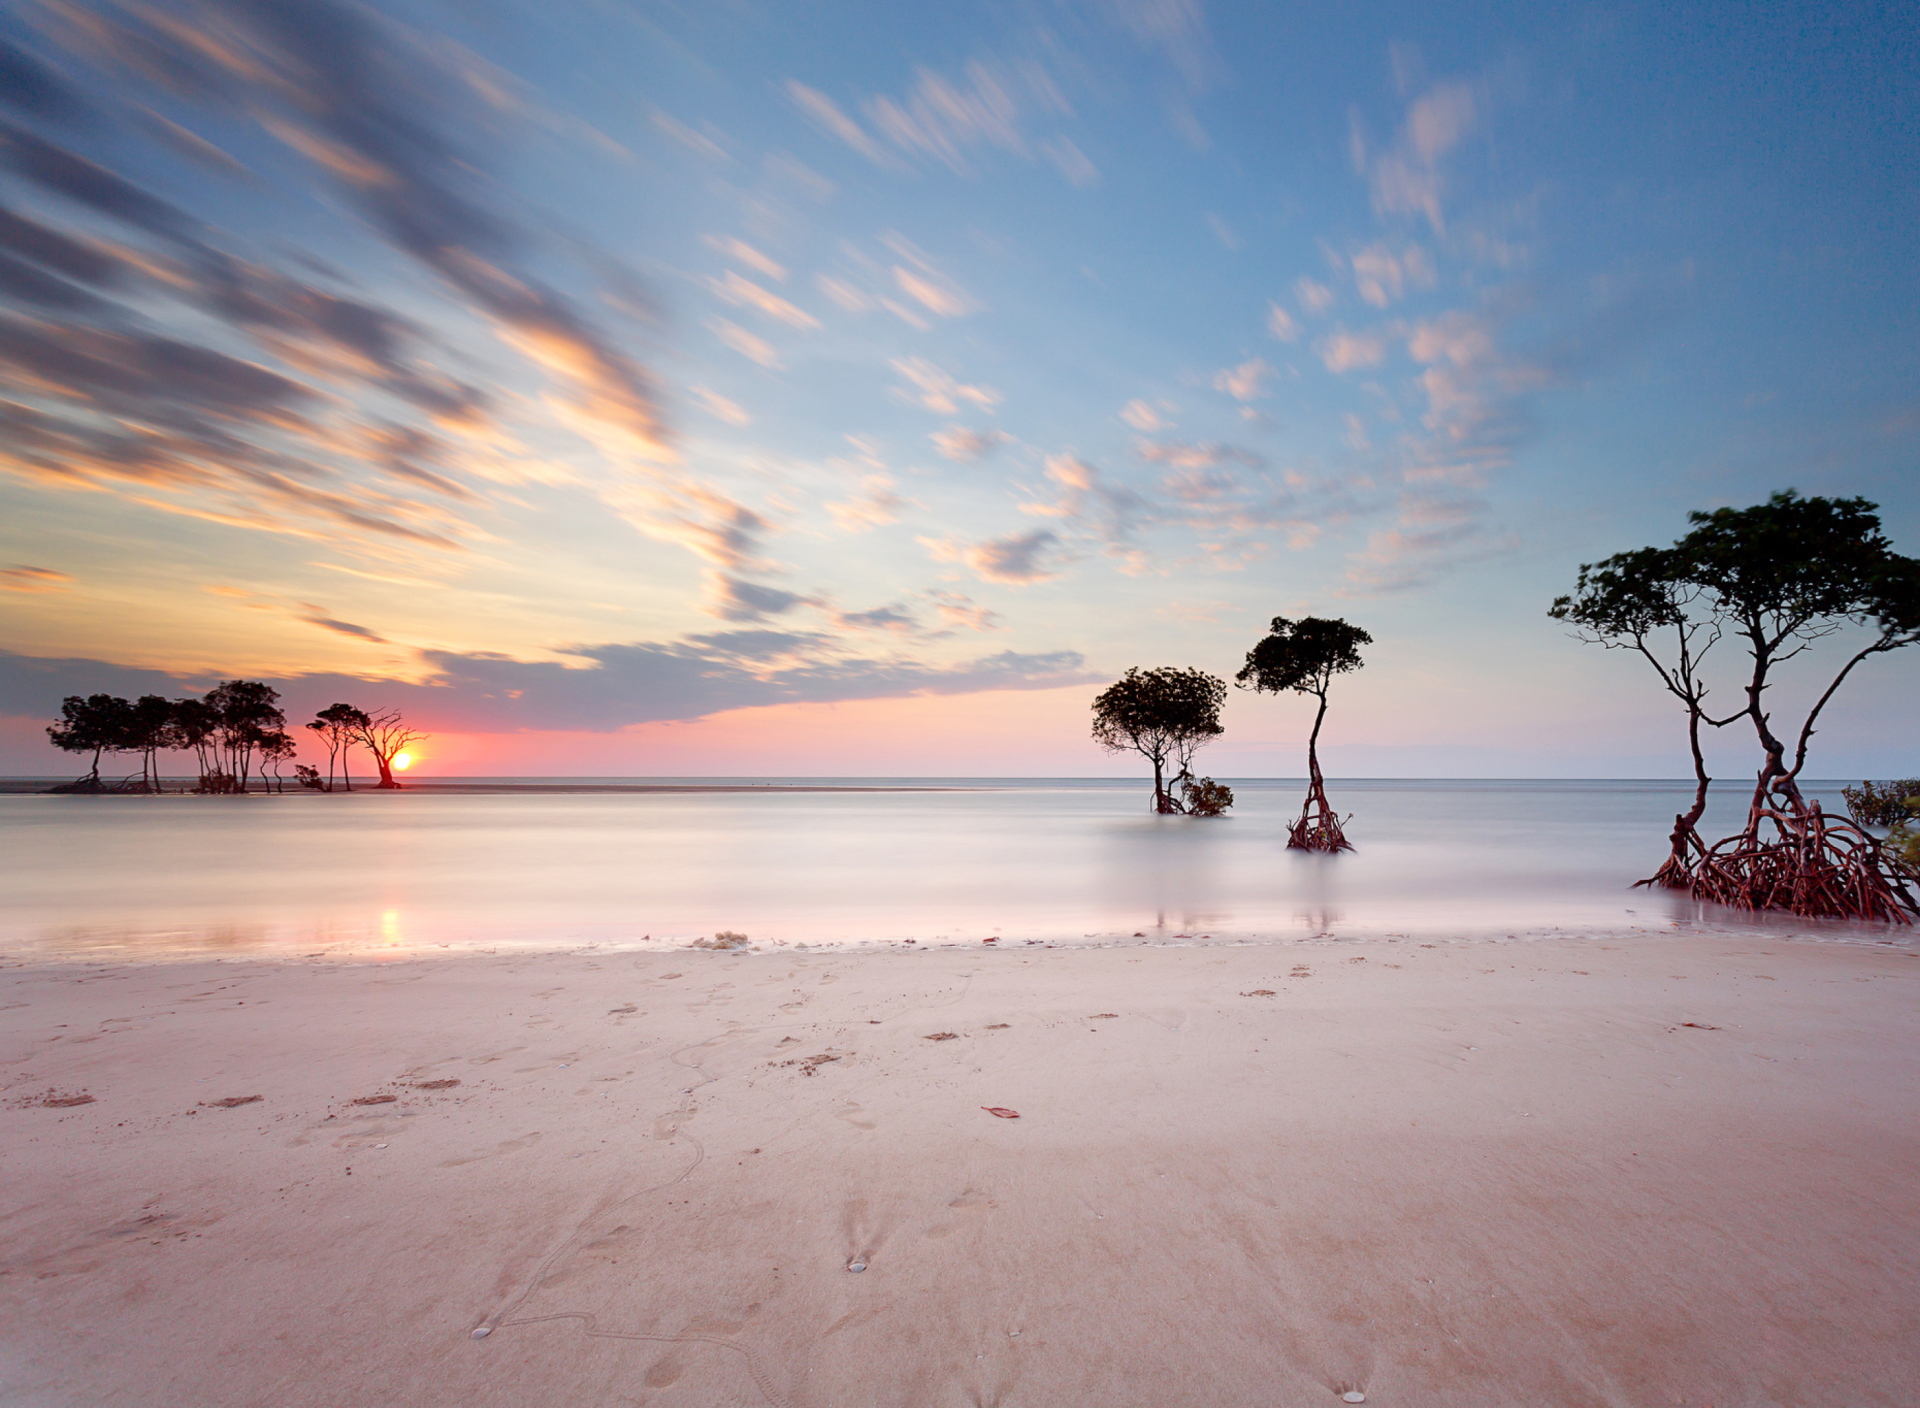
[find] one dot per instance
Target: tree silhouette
(99, 723)
(1165, 714)
(1636, 601)
(1303, 657)
(338, 726)
(245, 715)
(1779, 577)
(151, 726)
(384, 734)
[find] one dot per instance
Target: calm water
(1068, 860)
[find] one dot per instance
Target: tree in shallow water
(385, 735)
(1303, 657)
(1642, 601)
(96, 724)
(1779, 577)
(1165, 715)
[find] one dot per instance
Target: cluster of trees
(232, 730)
(1167, 714)
(1776, 578)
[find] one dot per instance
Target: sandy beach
(1636, 1170)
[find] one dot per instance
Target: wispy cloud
(1345, 351)
(22, 578)
(1016, 560)
(959, 442)
(747, 294)
(1246, 382)
(937, 389)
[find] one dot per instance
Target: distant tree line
(237, 733)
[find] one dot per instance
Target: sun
(402, 761)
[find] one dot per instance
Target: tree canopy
(1164, 714)
(1302, 656)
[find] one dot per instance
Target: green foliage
(1302, 655)
(1883, 803)
(1205, 797)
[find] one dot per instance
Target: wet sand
(1631, 1170)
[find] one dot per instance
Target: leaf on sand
(1001, 1111)
(1258, 992)
(942, 1036)
(234, 1101)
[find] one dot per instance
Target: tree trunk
(1318, 828)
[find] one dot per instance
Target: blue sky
(651, 388)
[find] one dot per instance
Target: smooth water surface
(1054, 860)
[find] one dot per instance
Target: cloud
(756, 349)
(277, 402)
(1143, 417)
(1108, 512)
(704, 521)
(826, 115)
(1405, 178)
(938, 390)
(879, 505)
(1350, 351)
(720, 407)
(742, 253)
(1381, 276)
(958, 612)
(1224, 232)
(315, 616)
(1314, 297)
(745, 293)
(882, 618)
(1071, 161)
(1281, 324)
(598, 688)
(1015, 559)
(958, 442)
(1192, 454)
(708, 143)
(1246, 382)
(940, 297)
(21, 578)
(732, 599)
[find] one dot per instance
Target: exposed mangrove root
(1318, 828)
(1815, 866)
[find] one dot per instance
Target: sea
(506, 864)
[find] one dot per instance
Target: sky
(856, 389)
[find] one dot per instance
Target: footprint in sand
(854, 1116)
(971, 1201)
(666, 1372)
(510, 1146)
(669, 1124)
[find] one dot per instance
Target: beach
(1641, 1168)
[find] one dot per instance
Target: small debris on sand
(1001, 1111)
(235, 1101)
(725, 938)
(1700, 1026)
(997, 1026)
(447, 1084)
(1258, 992)
(1353, 1395)
(480, 1333)
(808, 1064)
(370, 1099)
(857, 1265)
(53, 1100)
(942, 1036)
(1102, 1016)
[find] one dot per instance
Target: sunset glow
(982, 357)
(402, 761)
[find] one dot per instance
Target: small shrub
(1883, 803)
(1207, 797)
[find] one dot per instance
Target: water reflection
(420, 872)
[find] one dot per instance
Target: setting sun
(402, 761)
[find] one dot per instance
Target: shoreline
(1613, 1169)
